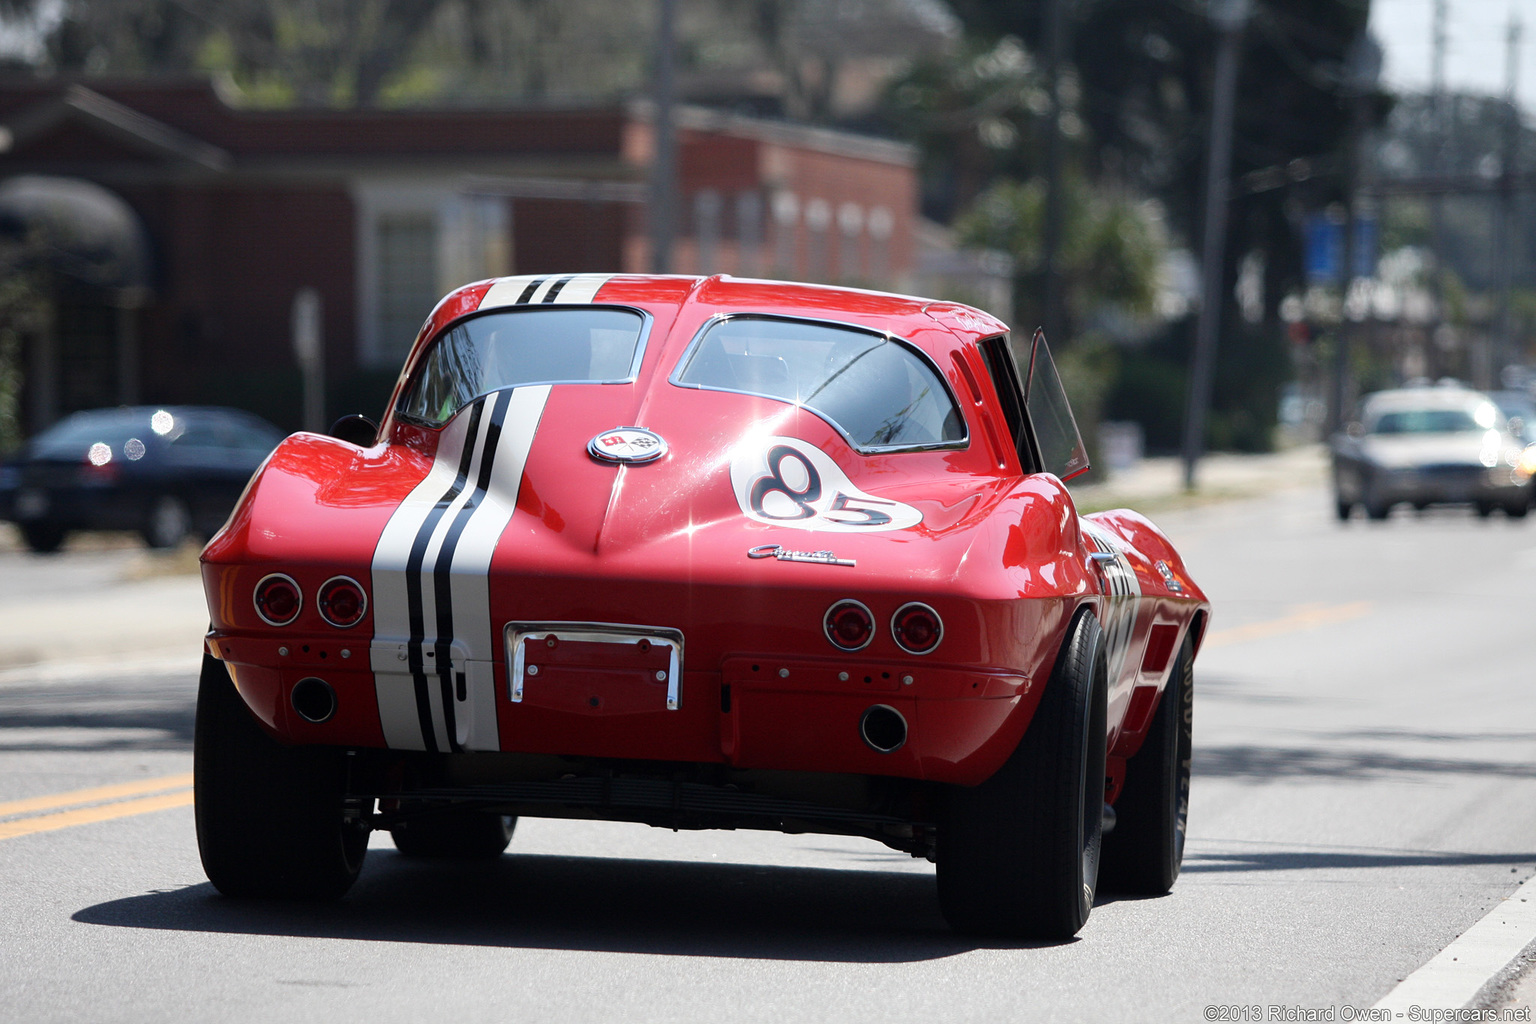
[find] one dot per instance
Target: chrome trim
(896, 635)
(826, 623)
(330, 692)
(786, 555)
(635, 362)
(362, 612)
(1099, 558)
(864, 729)
(718, 318)
(593, 632)
(257, 605)
(615, 460)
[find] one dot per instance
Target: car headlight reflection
(1526, 464)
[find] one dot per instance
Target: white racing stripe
(533, 289)
(432, 563)
(431, 585)
(1458, 972)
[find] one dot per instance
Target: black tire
(270, 818)
(1018, 855)
(1342, 509)
(168, 524)
(454, 835)
(1517, 510)
(43, 538)
(1143, 854)
(1484, 509)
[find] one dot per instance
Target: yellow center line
(1306, 617)
(87, 815)
(94, 795)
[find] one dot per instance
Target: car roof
(1439, 397)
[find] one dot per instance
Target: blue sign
(1325, 248)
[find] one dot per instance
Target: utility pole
(1438, 108)
(1050, 242)
(1505, 245)
(663, 206)
(1230, 16)
(1361, 70)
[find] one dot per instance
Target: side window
(1010, 395)
(1061, 446)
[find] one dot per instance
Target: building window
(706, 228)
(416, 242)
(408, 280)
(881, 224)
(818, 219)
(786, 213)
(850, 226)
(749, 233)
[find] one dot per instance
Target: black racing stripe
(554, 289)
(442, 570)
(413, 595)
(533, 286)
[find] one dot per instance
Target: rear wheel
(1143, 854)
(271, 819)
(1342, 508)
(168, 524)
(1517, 509)
(1018, 855)
(44, 538)
(454, 835)
(1484, 509)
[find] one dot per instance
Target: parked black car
(166, 472)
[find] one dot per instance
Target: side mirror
(356, 429)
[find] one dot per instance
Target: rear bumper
(958, 724)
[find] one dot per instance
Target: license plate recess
(594, 667)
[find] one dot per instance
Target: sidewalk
(1156, 485)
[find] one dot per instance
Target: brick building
(217, 218)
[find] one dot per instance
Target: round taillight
(278, 599)
(849, 625)
(342, 601)
(917, 628)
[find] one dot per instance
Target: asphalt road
(1365, 790)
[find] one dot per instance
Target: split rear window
(881, 394)
(513, 347)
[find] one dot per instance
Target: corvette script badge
(627, 444)
(786, 555)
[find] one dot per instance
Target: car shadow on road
(600, 904)
(1271, 762)
(1322, 860)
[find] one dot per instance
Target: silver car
(1431, 445)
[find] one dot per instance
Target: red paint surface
(999, 555)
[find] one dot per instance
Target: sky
(1475, 44)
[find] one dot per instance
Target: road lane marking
(94, 795)
(1458, 972)
(88, 815)
(1306, 617)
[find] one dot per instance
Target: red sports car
(701, 553)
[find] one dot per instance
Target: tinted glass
(1061, 446)
(528, 346)
(1437, 421)
(878, 392)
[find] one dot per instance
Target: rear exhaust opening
(314, 700)
(883, 729)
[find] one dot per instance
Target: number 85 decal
(784, 481)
